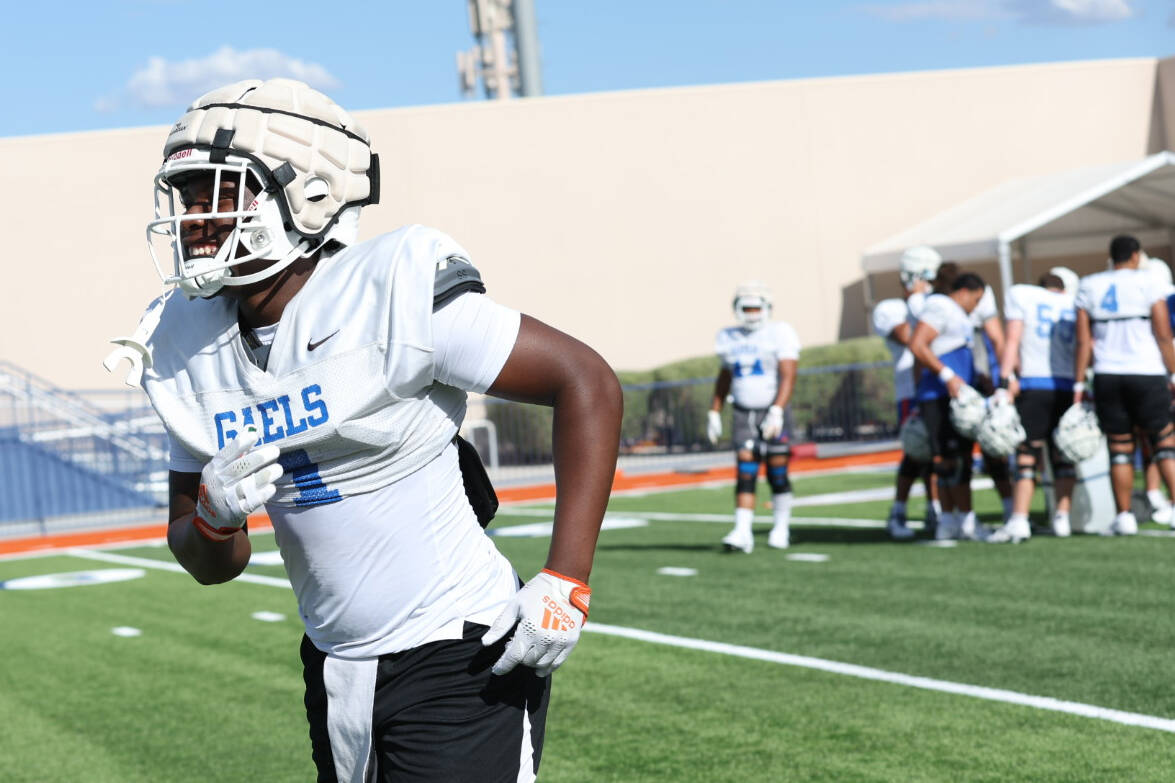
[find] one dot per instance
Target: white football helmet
(1068, 277)
(1158, 270)
(967, 411)
(918, 263)
(1001, 431)
(916, 439)
(287, 169)
(755, 296)
(1078, 436)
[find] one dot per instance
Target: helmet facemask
(752, 305)
(251, 227)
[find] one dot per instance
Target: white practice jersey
(1119, 306)
(1048, 337)
(378, 539)
(887, 316)
(985, 310)
(753, 356)
(952, 345)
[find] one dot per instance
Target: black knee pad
(1167, 452)
(910, 469)
(776, 449)
(748, 472)
(949, 472)
(778, 479)
(1120, 458)
(1064, 470)
(1029, 457)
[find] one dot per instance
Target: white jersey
(1048, 337)
(753, 356)
(887, 316)
(985, 310)
(376, 534)
(952, 344)
(1119, 306)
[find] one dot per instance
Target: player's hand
(772, 424)
(954, 385)
(1013, 387)
(713, 426)
(550, 611)
(237, 482)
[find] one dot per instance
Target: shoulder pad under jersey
(455, 276)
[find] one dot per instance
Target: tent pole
(1025, 260)
(1005, 257)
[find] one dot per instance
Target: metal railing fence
(68, 453)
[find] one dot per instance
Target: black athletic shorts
(945, 440)
(745, 424)
(1040, 410)
(429, 714)
(1124, 402)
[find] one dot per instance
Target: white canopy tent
(1065, 214)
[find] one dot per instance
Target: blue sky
(72, 66)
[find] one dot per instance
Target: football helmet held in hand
(967, 411)
(1078, 436)
(1001, 431)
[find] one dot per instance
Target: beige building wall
(624, 218)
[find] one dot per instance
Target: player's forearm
(587, 417)
(209, 562)
(787, 385)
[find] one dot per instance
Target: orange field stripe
(623, 481)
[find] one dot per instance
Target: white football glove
(550, 611)
(713, 426)
(237, 482)
(772, 424)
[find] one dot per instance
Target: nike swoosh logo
(311, 345)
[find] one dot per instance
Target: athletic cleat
(1013, 532)
(971, 529)
(780, 537)
(931, 523)
(1061, 527)
(1123, 525)
(947, 528)
(896, 527)
(739, 541)
(1162, 515)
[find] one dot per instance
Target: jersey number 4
(1110, 300)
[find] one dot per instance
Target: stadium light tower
(505, 57)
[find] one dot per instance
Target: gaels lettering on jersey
(271, 414)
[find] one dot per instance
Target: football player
(1040, 339)
(942, 344)
(894, 320)
(324, 380)
(759, 360)
(1123, 325)
(1160, 506)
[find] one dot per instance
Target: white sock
(899, 507)
(966, 520)
(937, 506)
(1016, 518)
(743, 518)
(1061, 516)
(781, 508)
(1157, 498)
(1126, 515)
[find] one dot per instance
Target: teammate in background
(942, 344)
(989, 349)
(1123, 322)
(759, 359)
(1159, 504)
(894, 320)
(324, 380)
(988, 346)
(1040, 340)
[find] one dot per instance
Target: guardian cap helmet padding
(918, 263)
(306, 164)
(749, 296)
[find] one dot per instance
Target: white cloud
(1036, 11)
(161, 83)
(1072, 11)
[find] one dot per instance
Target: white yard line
(896, 678)
(770, 656)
